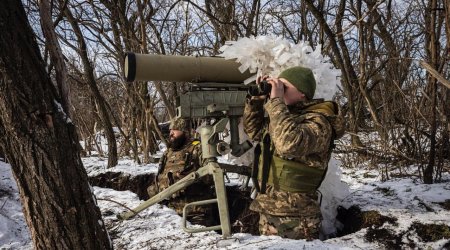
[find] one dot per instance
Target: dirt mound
(431, 232)
(353, 219)
(121, 181)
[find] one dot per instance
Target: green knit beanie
(302, 78)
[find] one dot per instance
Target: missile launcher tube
(152, 67)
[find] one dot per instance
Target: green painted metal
(166, 193)
(152, 67)
(211, 103)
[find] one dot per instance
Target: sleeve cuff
(254, 101)
(272, 103)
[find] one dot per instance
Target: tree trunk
(41, 145)
(432, 54)
(56, 55)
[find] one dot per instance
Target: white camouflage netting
(268, 55)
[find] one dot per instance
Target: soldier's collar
(305, 104)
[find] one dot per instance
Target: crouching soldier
(296, 141)
(183, 156)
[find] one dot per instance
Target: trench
(242, 219)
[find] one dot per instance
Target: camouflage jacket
(302, 132)
(176, 164)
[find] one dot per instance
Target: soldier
(182, 157)
(296, 140)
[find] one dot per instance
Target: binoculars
(263, 88)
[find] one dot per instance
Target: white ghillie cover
(268, 55)
(333, 191)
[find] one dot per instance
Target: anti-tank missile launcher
(217, 95)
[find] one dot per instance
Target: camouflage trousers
(289, 215)
(290, 227)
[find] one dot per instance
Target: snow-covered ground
(14, 233)
(158, 227)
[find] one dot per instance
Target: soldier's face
(291, 93)
(175, 134)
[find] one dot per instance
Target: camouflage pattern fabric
(178, 124)
(176, 164)
(301, 227)
(305, 224)
(179, 163)
(302, 133)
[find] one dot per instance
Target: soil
(386, 237)
(445, 204)
(121, 182)
(431, 232)
(354, 219)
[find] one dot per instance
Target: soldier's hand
(258, 81)
(261, 78)
(277, 87)
(180, 175)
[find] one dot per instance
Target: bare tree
(100, 102)
(41, 145)
(386, 98)
(56, 54)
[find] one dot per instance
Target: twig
(360, 19)
(435, 74)
(251, 243)
(118, 203)
(421, 202)
(3, 204)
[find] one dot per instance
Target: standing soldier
(182, 157)
(296, 140)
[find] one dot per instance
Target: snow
(159, 227)
(96, 165)
(333, 190)
(14, 233)
(61, 110)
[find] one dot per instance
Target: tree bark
(41, 144)
(56, 54)
(432, 53)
